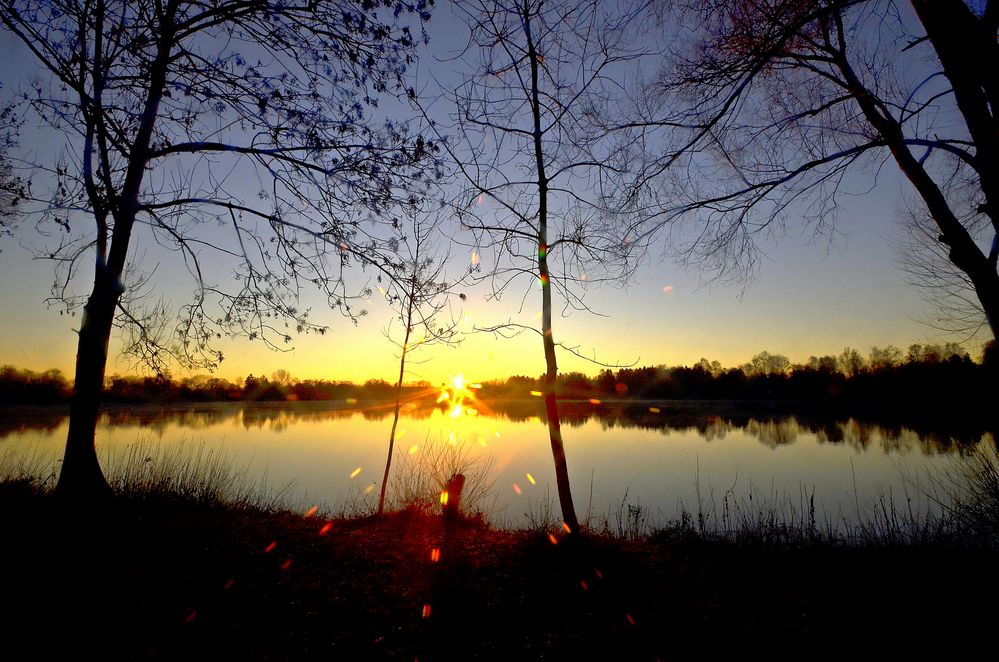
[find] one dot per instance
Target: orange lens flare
(552, 539)
(355, 473)
(565, 527)
(435, 554)
(516, 488)
(311, 511)
(426, 611)
(327, 527)
(444, 498)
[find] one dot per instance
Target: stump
(451, 496)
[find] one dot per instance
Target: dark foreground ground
(169, 580)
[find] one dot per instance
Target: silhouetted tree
(851, 363)
(884, 358)
(525, 154)
(418, 291)
(776, 101)
(236, 130)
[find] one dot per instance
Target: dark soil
(162, 579)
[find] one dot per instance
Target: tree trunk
(81, 477)
(551, 365)
(551, 408)
(398, 385)
(395, 422)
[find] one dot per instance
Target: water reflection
(712, 421)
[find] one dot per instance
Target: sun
(459, 397)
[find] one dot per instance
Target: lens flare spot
(311, 511)
(190, 617)
(286, 564)
(426, 611)
(413, 449)
(552, 539)
(444, 497)
(326, 528)
(475, 257)
(229, 584)
(435, 554)
(351, 401)
(531, 480)
(369, 489)
(270, 548)
(654, 410)
(536, 394)
(667, 289)
(583, 584)
(516, 488)
(594, 401)
(565, 527)
(355, 473)
(631, 620)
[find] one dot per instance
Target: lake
(662, 456)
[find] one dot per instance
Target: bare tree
(529, 162)
(776, 101)
(229, 132)
(419, 291)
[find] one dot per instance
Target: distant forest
(932, 373)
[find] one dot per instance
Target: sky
(812, 295)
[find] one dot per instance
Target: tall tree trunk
(81, 477)
(551, 408)
(551, 365)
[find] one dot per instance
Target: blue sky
(812, 295)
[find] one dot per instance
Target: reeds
(420, 477)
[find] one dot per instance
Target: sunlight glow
(457, 396)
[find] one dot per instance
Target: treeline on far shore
(933, 373)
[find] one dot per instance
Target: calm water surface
(663, 456)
